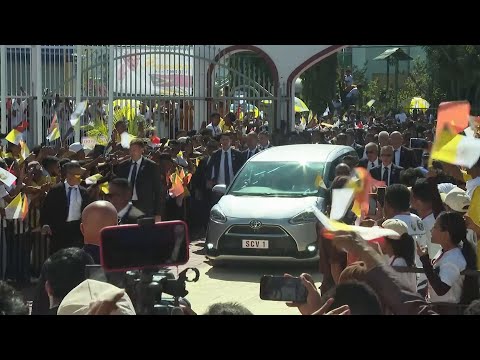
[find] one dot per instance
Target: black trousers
(68, 236)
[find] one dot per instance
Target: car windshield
(288, 179)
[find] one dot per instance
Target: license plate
(255, 244)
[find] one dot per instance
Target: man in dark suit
(387, 172)
(62, 209)
(402, 156)
(264, 140)
(351, 142)
(372, 160)
(252, 144)
(225, 163)
(149, 191)
(120, 195)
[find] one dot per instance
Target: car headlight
(303, 217)
(217, 215)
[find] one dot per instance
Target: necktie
(226, 168)
(69, 196)
(372, 165)
(385, 176)
(249, 154)
(133, 178)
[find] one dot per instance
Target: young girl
(401, 252)
(446, 283)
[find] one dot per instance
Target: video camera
(135, 257)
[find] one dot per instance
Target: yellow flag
(14, 137)
(104, 188)
(443, 139)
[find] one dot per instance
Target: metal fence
(22, 248)
(179, 86)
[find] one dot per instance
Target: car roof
(315, 152)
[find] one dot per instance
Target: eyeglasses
(387, 155)
(371, 152)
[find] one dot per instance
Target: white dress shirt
(389, 173)
(139, 162)
(215, 129)
(75, 208)
(221, 170)
(396, 154)
(375, 164)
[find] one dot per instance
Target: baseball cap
(77, 301)
(75, 147)
(396, 225)
(457, 200)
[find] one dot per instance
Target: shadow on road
(253, 271)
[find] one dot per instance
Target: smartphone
(381, 195)
(418, 143)
(280, 288)
(144, 246)
(372, 204)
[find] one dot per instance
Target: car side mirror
(222, 188)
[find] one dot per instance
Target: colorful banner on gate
(165, 70)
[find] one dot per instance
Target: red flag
(454, 115)
(22, 126)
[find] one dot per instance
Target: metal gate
(161, 87)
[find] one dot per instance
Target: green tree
(455, 70)
(319, 85)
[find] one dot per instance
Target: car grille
(280, 242)
(263, 230)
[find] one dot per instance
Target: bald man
(95, 217)
(402, 156)
(383, 139)
(342, 169)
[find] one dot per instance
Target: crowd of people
(75, 192)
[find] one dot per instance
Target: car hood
(257, 207)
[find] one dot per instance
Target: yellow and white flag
(14, 137)
(17, 208)
(460, 150)
(7, 177)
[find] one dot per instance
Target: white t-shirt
(416, 229)
(409, 279)
(433, 249)
(449, 265)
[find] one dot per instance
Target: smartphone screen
(136, 247)
(280, 288)
(372, 205)
(381, 195)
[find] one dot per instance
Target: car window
(288, 179)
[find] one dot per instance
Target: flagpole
(3, 88)
(111, 76)
(78, 88)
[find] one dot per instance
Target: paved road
(236, 282)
